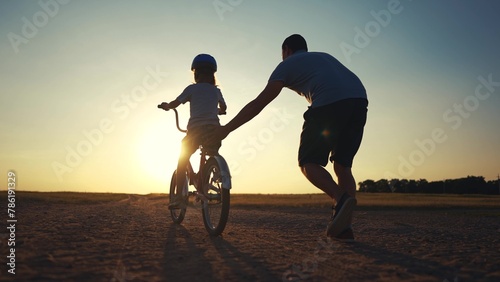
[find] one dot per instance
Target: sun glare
(158, 151)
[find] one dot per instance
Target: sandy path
(134, 240)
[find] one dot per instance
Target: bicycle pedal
(201, 198)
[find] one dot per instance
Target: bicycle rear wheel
(177, 214)
(216, 210)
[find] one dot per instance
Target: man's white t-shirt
(319, 77)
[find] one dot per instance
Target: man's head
(292, 44)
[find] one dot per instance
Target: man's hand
(164, 106)
(217, 135)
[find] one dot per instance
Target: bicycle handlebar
(176, 119)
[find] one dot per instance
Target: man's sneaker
(343, 213)
(178, 202)
(345, 236)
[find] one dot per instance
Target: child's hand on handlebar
(164, 106)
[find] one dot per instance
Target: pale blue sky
(78, 65)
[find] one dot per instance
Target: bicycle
(215, 179)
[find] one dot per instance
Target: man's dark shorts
(333, 130)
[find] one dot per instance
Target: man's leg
(322, 179)
(345, 179)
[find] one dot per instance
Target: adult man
(333, 123)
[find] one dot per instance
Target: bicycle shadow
(183, 258)
(243, 266)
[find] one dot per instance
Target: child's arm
(167, 106)
(222, 104)
(222, 107)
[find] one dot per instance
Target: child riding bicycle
(206, 103)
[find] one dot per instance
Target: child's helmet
(204, 60)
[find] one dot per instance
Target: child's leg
(179, 199)
(187, 149)
(181, 171)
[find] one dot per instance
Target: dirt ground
(135, 240)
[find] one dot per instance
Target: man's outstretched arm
(252, 109)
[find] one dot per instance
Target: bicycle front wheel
(216, 208)
(177, 214)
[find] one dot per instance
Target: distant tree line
(467, 185)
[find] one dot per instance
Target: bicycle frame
(195, 179)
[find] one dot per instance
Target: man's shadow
(411, 264)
